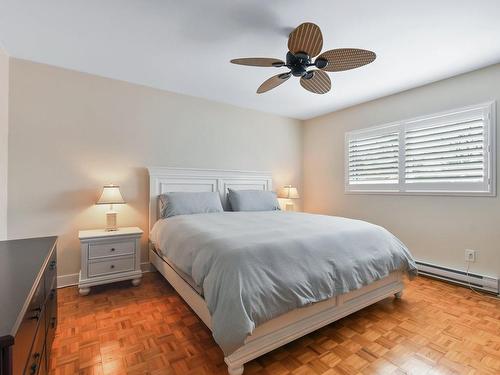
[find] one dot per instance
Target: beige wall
(436, 228)
(4, 127)
(70, 133)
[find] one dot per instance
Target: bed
(239, 342)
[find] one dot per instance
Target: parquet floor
(436, 328)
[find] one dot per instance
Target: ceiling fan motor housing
(298, 63)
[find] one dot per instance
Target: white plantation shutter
(373, 159)
(446, 153)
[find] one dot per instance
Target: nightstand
(109, 256)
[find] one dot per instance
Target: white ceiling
(185, 45)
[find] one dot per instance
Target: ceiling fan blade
(346, 58)
(306, 38)
(259, 61)
(319, 83)
(273, 82)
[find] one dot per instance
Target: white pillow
(253, 200)
(187, 203)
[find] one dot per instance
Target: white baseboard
(72, 279)
(147, 267)
(67, 280)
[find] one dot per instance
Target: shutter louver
(374, 160)
(445, 153)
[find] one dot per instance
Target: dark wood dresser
(28, 304)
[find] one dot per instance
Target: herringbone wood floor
(436, 328)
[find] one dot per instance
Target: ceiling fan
(304, 43)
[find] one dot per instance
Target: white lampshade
(288, 192)
(110, 195)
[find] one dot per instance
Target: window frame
(487, 187)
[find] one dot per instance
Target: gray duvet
(254, 266)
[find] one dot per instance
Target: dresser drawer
(111, 249)
(111, 266)
(35, 359)
(26, 331)
(50, 307)
(43, 368)
(50, 321)
(51, 274)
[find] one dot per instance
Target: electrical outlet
(470, 255)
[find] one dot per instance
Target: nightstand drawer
(111, 249)
(111, 266)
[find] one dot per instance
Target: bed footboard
(290, 326)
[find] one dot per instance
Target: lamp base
(111, 221)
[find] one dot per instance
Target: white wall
(437, 229)
(4, 131)
(71, 132)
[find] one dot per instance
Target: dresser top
(21, 262)
(99, 233)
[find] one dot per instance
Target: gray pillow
(252, 200)
(187, 203)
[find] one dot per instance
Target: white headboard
(164, 180)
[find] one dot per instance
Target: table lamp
(288, 192)
(111, 195)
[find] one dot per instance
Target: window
(446, 153)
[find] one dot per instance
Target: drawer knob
(36, 316)
(112, 249)
(33, 369)
(52, 265)
(112, 266)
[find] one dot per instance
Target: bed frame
(280, 330)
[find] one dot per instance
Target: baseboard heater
(486, 283)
